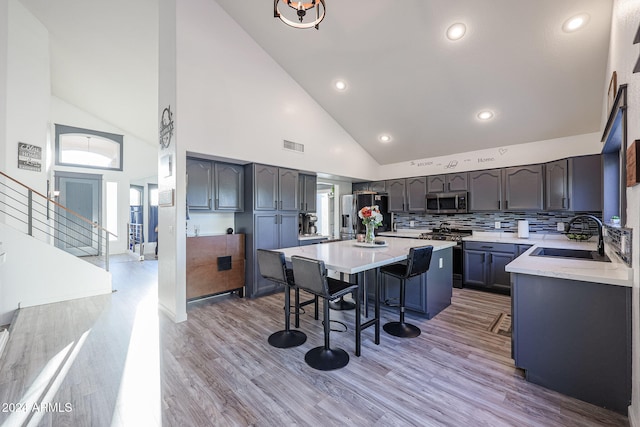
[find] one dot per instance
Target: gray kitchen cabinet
(427, 294)
(288, 189)
(520, 249)
(523, 188)
(453, 182)
(574, 337)
(485, 190)
(484, 264)
(378, 186)
(416, 189)
(269, 230)
(274, 188)
(308, 185)
(228, 187)
(199, 184)
(557, 185)
(360, 186)
(574, 184)
(396, 190)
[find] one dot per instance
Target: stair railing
(28, 211)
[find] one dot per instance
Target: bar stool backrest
(272, 266)
(310, 275)
(419, 260)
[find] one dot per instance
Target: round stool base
(402, 330)
(326, 360)
(287, 339)
(341, 305)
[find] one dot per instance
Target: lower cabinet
(574, 337)
(265, 230)
(427, 294)
(484, 264)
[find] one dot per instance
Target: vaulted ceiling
(404, 77)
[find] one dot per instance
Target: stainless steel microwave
(444, 203)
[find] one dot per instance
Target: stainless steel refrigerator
(352, 203)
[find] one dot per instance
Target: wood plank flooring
(115, 361)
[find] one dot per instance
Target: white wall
(499, 157)
(237, 102)
(4, 42)
(623, 55)
(28, 88)
(37, 273)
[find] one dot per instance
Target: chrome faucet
(600, 234)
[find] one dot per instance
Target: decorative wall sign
(29, 157)
(165, 197)
(166, 128)
(613, 91)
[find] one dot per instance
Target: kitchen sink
(570, 253)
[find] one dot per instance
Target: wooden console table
(215, 265)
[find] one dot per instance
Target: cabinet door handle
(276, 207)
(506, 204)
(280, 204)
(217, 203)
(306, 206)
(486, 247)
(563, 200)
(490, 258)
(484, 257)
(499, 205)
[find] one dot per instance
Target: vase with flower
(371, 218)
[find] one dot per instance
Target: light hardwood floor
(112, 360)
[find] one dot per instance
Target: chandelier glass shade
(296, 15)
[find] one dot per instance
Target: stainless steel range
(453, 235)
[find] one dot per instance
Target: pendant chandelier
(300, 8)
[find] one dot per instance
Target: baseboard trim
(633, 417)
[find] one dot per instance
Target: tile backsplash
(539, 222)
(619, 239)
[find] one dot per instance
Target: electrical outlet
(412, 223)
(497, 224)
(560, 226)
(440, 263)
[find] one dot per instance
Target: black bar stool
(311, 275)
(273, 267)
(417, 263)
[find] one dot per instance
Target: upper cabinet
(396, 190)
(416, 189)
(274, 188)
(574, 184)
(523, 188)
(214, 186)
(308, 185)
(378, 186)
(360, 186)
(453, 182)
(485, 190)
(228, 187)
(199, 184)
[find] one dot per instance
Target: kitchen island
(572, 324)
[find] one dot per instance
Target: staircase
(52, 253)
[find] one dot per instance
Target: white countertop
(412, 233)
(345, 257)
(615, 272)
(313, 237)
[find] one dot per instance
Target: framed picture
(613, 91)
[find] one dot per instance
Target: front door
(81, 194)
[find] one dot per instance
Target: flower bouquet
(371, 218)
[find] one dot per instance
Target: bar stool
(311, 275)
(417, 263)
(273, 267)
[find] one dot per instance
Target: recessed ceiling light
(485, 115)
(385, 138)
(340, 85)
(456, 31)
(575, 23)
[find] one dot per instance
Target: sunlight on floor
(139, 395)
(43, 390)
